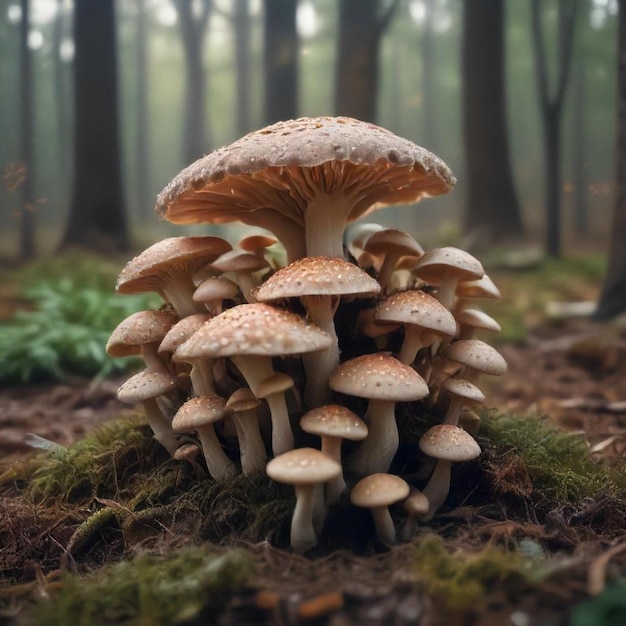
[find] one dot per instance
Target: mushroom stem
(331, 446)
(161, 429)
(446, 291)
(325, 222)
(385, 530)
(256, 369)
(437, 487)
(179, 294)
(376, 452)
(251, 446)
(220, 467)
(303, 534)
(454, 410)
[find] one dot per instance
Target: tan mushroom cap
(465, 389)
(182, 330)
(417, 503)
(317, 276)
(215, 288)
(477, 355)
(276, 383)
(150, 269)
(137, 329)
(275, 174)
(242, 400)
(440, 262)
(418, 308)
(481, 288)
(449, 443)
(303, 466)
(145, 385)
(379, 490)
(401, 243)
(334, 420)
(379, 376)
(239, 261)
(257, 329)
(198, 412)
(477, 319)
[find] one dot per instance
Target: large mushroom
(319, 283)
(383, 380)
(250, 335)
(167, 267)
(304, 180)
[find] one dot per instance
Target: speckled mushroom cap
(440, 261)
(449, 443)
(477, 355)
(198, 412)
(150, 269)
(475, 318)
(334, 420)
(464, 389)
(379, 490)
(419, 308)
(317, 276)
(379, 376)
(481, 288)
(242, 400)
(137, 329)
(303, 466)
(391, 170)
(258, 329)
(384, 240)
(182, 330)
(145, 385)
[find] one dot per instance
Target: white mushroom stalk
(242, 406)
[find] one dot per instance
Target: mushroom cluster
(296, 368)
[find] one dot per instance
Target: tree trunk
(551, 107)
(429, 71)
(143, 197)
(196, 133)
(613, 298)
(242, 64)
(361, 26)
(27, 208)
(280, 60)
(579, 188)
(97, 218)
(492, 211)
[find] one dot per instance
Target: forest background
(103, 102)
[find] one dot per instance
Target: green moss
(558, 464)
(461, 579)
(191, 586)
(606, 609)
(93, 465)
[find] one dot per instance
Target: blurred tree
(362, 24)
(551, 106)
(197, 138)
(241, 25)
(492, 209)
(27, 135)
(143, 197)
(579, 149)
(280, 60)
(613, 298)
(429, 71)
(97, 217)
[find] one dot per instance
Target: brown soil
(572, 371)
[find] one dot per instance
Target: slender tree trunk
(361, 26)
(27, 136)
(196, 133)
(492, 209)
(551, 107)
(242, 63)
(280, 60)
(142, 136)
(613, 298)
(97, 217)
(429, 71)
(579, 187)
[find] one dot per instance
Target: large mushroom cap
(303, 466)
(378, 490)
(137, 329)
(449, 443)
(477, 355)
(257, 329)
(145, 385)
(198, 412)
(274, 178)
(334, 420)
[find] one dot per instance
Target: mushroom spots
(286, 355)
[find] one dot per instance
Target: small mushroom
(334, 423)
(200, 414)
(445, 268)
(469, 290)
(212, 292)
(476, 357)
(383, 380)
(242, 405)
(146, 387)
(242, 266)
(462, 393)
(471, 320)
(416, 506)
(378, 492)
(167, 268)
(448, 444)
(304, 468)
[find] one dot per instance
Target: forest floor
(572, 371)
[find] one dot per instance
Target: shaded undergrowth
(116, 496)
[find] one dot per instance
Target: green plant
(65, 331)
